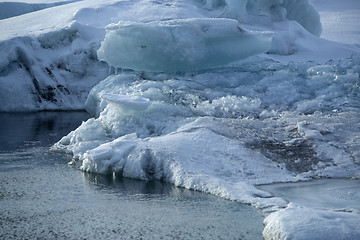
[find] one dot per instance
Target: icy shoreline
(224, 132)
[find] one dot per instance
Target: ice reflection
(19, 130)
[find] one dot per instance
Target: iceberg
(180, 45)
(54, 63)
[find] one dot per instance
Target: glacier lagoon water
(42, 197)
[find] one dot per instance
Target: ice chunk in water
(180, 45)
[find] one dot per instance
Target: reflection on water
(128, 186)
(39, 128)
(42, 197)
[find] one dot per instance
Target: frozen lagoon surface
(288, 114)
(42, 197)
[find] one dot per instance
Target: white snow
(297, 222)
(181, 104)
(12, 8)
(319, 209)
(224, 131)
(53, 62)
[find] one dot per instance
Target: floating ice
(180, 45)
(224, 131)
(297, 222)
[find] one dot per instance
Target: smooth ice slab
(320, 194)
(180, 45)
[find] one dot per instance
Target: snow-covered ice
(297, 222)
(213, 95)
(53, 63)
(319, 209)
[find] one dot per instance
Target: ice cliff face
(53, 63)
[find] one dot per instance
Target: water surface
(42, 197)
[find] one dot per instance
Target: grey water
(41, 197)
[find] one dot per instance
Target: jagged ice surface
(54, 62)
(245, 124)
(224, 131)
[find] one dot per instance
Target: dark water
(42, 197)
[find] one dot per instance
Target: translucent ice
(180, 45)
